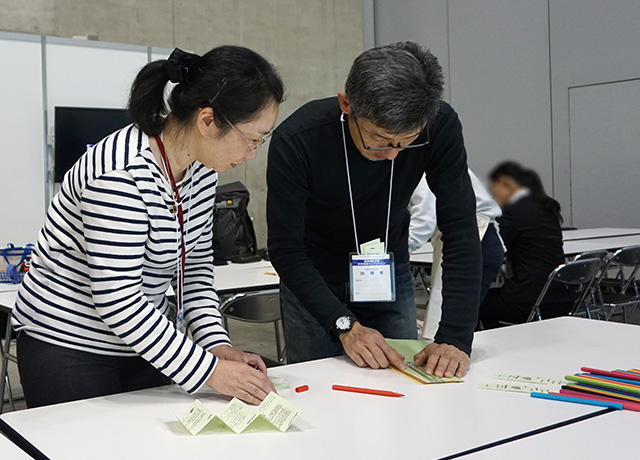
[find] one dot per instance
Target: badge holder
(372, 277)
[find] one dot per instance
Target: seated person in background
(423, 226)
(530, 229)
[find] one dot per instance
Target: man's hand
(233, 354)
(443, 360)
(367, 347)
(237, 379)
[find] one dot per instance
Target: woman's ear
(205, 121)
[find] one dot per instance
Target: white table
(608, 436)
(430, 422)
(575, 242)
(229, 279)
(235, 278)
(601, 232)
(574, 247)
(9, 451)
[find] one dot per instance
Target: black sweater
(309, 215)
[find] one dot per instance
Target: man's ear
(344, 103)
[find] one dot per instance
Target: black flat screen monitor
(77, 128)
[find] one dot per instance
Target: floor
(257, 338)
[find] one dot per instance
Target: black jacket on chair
(533, 238)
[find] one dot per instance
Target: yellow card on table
(197, 418)
(277, 411)
(408, 349)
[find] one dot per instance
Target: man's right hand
(240, 380)
(367, 347)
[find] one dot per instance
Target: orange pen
(369, 391)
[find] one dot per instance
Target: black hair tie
(181, 65)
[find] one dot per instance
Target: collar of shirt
(519, 195)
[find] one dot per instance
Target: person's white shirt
(422, 208)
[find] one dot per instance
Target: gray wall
(550, 83)
(312, 42)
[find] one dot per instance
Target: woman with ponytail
(134, 216)
(530, 229)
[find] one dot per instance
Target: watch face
(343, 323)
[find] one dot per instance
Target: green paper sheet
(408, 349)
(274, 411)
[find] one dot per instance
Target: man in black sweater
(336, 167)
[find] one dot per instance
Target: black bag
(233, 235)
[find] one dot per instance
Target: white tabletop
(427, 248)
(575, 242)
(430, 422)
(425, 258)
(601, 232)
(608, 436)
(608, 243)
(234, 278)
(9, 451)
(230, 278)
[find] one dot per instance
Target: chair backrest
(257, 307)
(627, 257)
(575, 273)
(602, 255)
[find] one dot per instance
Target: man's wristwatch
(343, 324)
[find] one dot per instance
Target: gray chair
(576, 274)
(623, 290)
(256, 307)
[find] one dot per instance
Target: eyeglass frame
(391, 146)
(251, 143)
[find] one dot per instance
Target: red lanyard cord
(183, 254)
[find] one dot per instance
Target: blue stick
(588, 402)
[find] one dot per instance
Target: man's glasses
(390, 146)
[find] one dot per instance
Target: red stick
(368, 391)
(616, 374)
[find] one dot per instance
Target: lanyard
(183, 250)
(353, 213)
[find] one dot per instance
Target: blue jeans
(306, 339)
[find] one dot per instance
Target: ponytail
(146, 101)
(235, 81)
(530, 179)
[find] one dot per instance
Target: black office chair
(577, 275)
(589, 297)
(622, 291)
(256, 307)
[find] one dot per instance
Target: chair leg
(278, 344)
(10, 392)
(5, 361)
(225, 322)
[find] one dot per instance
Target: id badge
(372, 278)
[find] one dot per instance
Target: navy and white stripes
(107, 254)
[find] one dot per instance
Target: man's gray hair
(398, 87)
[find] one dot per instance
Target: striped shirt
(107, 254)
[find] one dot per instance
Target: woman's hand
(233, 354)
(240, 380)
